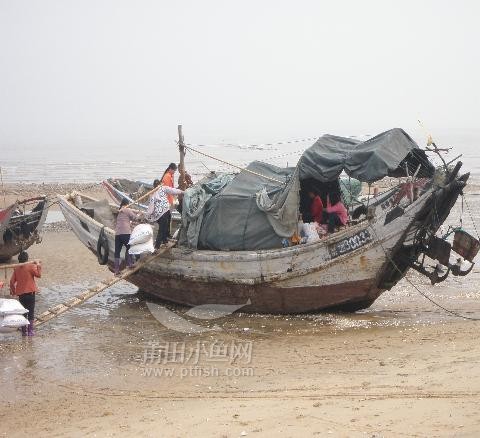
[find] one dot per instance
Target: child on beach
(22, 284)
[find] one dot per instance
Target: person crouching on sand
(22, 284)
(122, 233)
(159, 210)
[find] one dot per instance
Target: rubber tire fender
(102, 248)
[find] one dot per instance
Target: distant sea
(93, 164)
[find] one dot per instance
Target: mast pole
(3, 189)
(181, 148)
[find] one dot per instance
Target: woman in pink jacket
(336, 214)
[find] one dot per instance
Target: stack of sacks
(141, 240)
(11, 315)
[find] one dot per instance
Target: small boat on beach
(21, 226)
(234, 242)
(122, 188)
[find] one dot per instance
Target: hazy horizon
(123, 74)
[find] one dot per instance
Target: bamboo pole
(144, 196)
(181, 148)
(58, 309)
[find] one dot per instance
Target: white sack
(309, 230)
(141, 248)
(10, 323)
(10, 306)
(142, 233)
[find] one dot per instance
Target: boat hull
(263, 298)
(21, 232)
(344, 271)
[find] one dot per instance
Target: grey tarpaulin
(233, 220)
(282, 207)
(351, 189)
(194, 201)
(368, 161)
(251, 212)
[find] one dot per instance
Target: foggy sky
(114, 73)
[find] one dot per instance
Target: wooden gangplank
(80, 298)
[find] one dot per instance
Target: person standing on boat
(336, 213)
(168, 180)
(22, 284)
(187, 179)
(159, 210)
(188, 183)
(123, 229)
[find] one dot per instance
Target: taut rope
(234, 165)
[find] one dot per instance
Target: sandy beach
(333, 151)
(109, 368)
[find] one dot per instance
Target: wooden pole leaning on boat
(16, 265)
(80, 298)
(151, 192)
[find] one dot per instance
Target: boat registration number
(350, 244)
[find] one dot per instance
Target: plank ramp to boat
(80, 298)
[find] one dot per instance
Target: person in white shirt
(159, 210)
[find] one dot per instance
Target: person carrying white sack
(23, 285)
(122, 233)
(159, 209)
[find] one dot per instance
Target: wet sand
(401, 368)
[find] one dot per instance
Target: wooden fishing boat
(346, 270)
(21, 226)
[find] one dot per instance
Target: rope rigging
(253, 146)
(234, 165)
(395, 266)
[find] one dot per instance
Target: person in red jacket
(316, 207)
(22, 284)
(168, 180)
